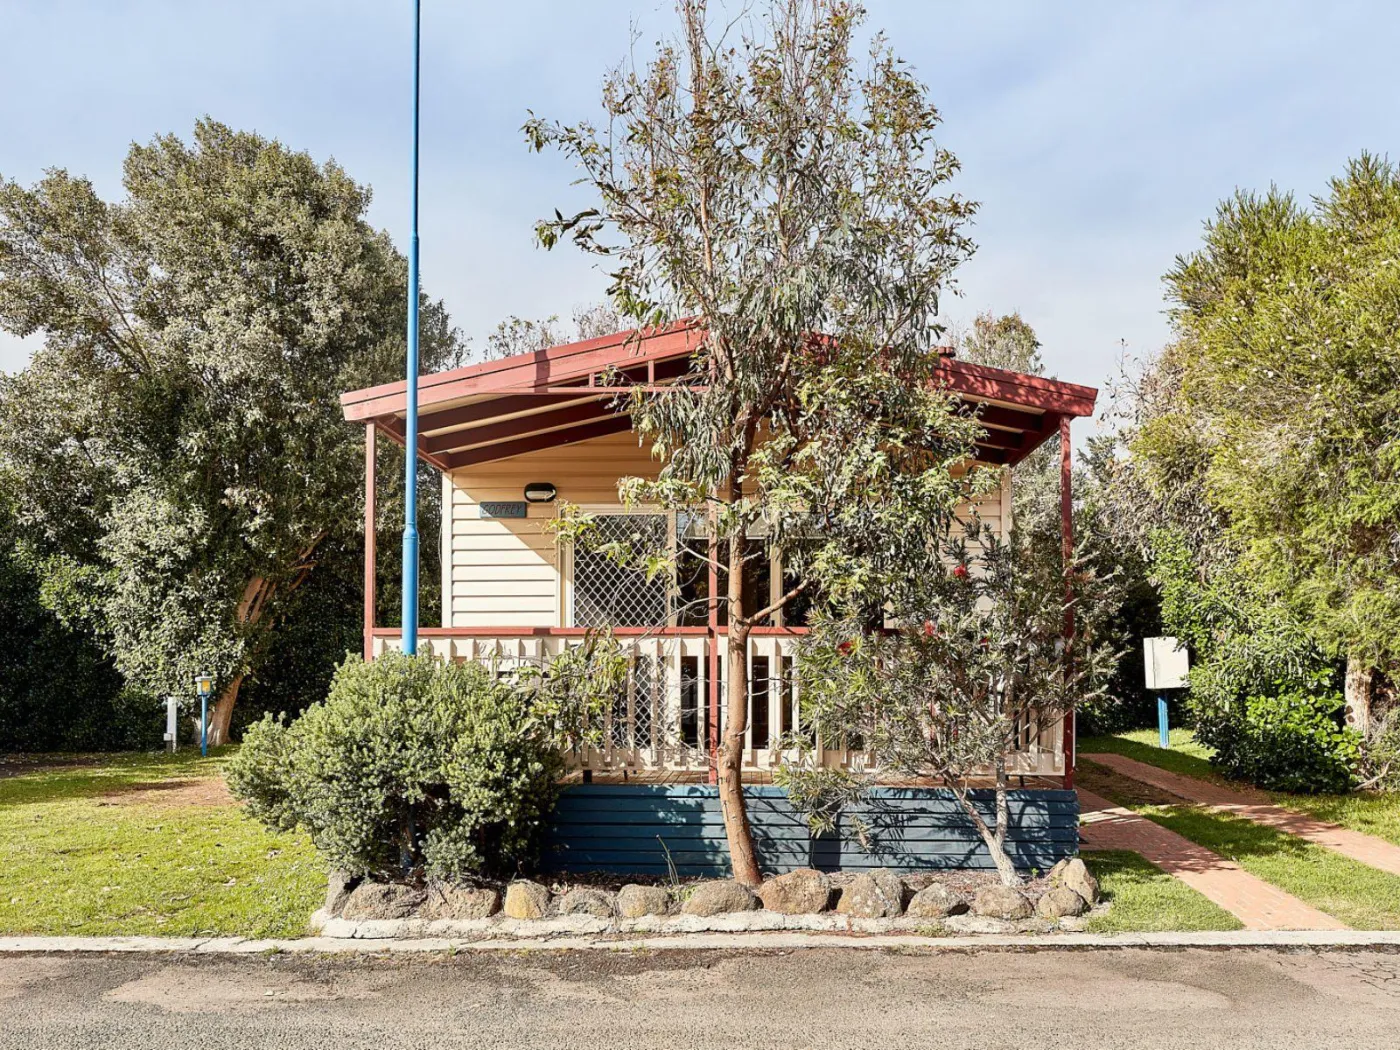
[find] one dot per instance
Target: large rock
(449, 900)
(719, 897)
(1079, 878)
(339, 886)
(382, 900)
(586, 901)
(634, 901)
(1001, 902)
(874, 894)
(526, 900)
(935, 901)
(1058, 902)
(801, 892)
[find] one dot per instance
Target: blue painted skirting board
(632, 829)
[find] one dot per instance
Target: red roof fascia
(558, 365)
(524, 372)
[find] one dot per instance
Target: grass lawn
(1372, 813)
(144, 844)
(1146, 899)
(1363, 897)
(1360, 896)
(1185, 755)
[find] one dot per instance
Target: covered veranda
(518, 408)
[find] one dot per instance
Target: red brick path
(1255, 806)
(1253, 901)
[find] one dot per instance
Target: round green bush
(410, 766)
(1293, 740)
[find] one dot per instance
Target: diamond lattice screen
(607, 594)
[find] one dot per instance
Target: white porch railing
(662, 724)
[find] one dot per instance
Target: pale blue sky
(1097, 136)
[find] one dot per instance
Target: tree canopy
(1286, 384)
(175, 449)
(791, 199)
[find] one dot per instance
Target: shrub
(1291, 741)
(409, 766)
(1380, 758)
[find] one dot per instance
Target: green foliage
(175, 449)
(819, 792)
(979, 655)
(1380, 754)
(792, 202)
(1288, 385)
(58, 689)
(1291, 740)
(978, 663)
(416, 766)
(1007, 342)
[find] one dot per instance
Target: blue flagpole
(410, 494)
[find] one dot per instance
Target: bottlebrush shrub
(409, 767)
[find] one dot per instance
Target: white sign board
(172, 714)
(1165, 662)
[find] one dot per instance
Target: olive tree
(789, 198)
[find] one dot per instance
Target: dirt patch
(1123, 790)
(203, 791)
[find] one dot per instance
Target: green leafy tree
(793, 202)
(175, 447)
(1289, 388)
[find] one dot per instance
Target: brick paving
(1255, 806)
(1257, 904)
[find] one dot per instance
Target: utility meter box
(172, 721)
(1166, 663)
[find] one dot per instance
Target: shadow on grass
(34, 779)
(1173, 758)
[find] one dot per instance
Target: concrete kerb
(712, 941)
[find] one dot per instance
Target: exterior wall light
(540, 492)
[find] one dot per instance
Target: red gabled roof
(519, 404)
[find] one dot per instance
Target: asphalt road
(813, 998)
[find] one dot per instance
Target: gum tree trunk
(731, 756)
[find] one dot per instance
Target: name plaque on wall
(503, 508)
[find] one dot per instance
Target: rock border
(869, 903)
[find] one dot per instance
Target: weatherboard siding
(645, 830)
(506, 572)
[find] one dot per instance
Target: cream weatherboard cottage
(514, 439)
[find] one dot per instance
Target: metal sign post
(204, 685)
(1165, 666)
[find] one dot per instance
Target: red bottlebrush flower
(844, 648)
(960, 571)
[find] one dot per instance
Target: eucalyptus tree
(176, 446)
(788, 195)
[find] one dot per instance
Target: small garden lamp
(204, 685)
